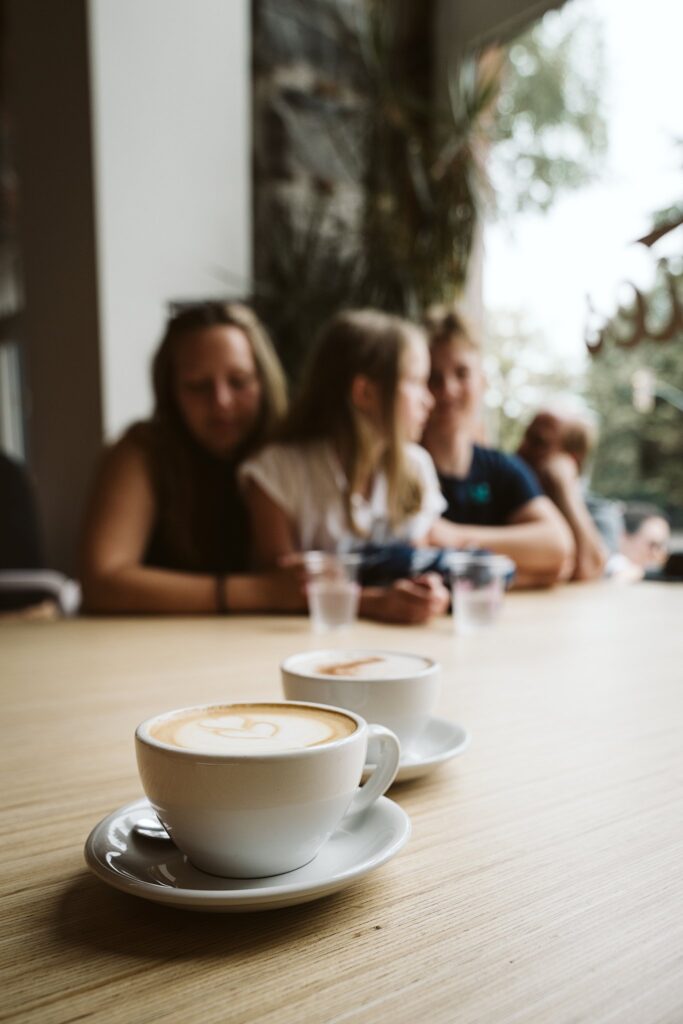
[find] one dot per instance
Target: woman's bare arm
(118, 525)
(272, 532)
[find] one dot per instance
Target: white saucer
(440, 741)
(156, 870)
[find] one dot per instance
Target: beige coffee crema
(251, 728)
(367, 665)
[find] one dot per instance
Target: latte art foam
(366, 665)
(251, 728)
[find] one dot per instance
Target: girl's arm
(406, 601)
(117, 529)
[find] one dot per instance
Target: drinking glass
(478, 580)
(332, 588)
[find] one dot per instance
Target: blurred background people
(494, 500)
(28, 588)
(645, 539)
(166, 530)
(21, 544)
(556, 447)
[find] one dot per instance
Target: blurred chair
(20, 589)
(25, 582)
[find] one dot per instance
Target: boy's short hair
(446, 323)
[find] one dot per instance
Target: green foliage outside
(551, 132)
(419, 165)
(552, 137)
(523, 375)
(640, 454)
(423, 165)
(424, 181)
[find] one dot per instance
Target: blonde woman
(346, 468)
(166, 530)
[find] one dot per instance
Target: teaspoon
(151, 828)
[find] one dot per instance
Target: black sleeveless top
(224, 549)
(201, 524)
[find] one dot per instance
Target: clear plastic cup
(332, 588)
(478, 581)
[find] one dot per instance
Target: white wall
(171, 119)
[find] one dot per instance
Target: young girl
(167, 530)
(346, 469)
(494, 501)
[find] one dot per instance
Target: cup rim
(339, 566)
(143, 736)
(317, 554)
(462, 560)
(289, 665)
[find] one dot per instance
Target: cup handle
(389, 751)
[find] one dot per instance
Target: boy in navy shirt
(494, 500)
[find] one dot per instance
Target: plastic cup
(333, 590)
(478, 581)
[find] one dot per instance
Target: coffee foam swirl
(367, 665)
(252, 728)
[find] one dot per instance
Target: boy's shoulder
(495, 460)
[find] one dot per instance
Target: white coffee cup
(400, 691)
(255, 788)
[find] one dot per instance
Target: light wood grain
(543, 882)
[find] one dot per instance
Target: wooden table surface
(543, 880)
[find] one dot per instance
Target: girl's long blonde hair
(356, 342)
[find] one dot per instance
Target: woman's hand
(409, 601)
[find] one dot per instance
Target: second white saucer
(441, 741)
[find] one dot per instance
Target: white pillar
(172, 143)
(132, 120)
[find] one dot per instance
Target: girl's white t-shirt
(308, 483)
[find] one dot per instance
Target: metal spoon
(151, 828)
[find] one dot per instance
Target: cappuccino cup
(400, 691)
(255, 788)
